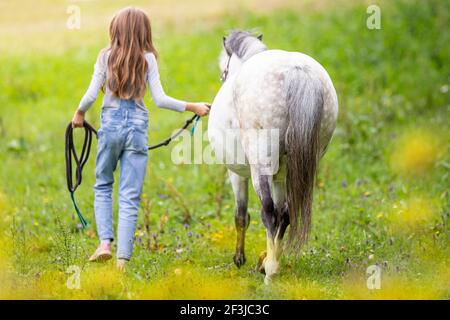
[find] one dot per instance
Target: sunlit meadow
(382, 194)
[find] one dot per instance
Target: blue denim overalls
(123, 137)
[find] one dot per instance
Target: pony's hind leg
(241, 218)
(267, 171)
(276, 219)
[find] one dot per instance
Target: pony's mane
(244, 44)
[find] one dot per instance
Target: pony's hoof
(268, 280)
(261, 260)
(239, 259)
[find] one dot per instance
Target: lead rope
(176, 134)
(70, 153)
(194, 126)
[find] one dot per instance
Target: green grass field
(382, 195)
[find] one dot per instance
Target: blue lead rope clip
(194, 125)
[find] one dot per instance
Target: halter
(224, 75)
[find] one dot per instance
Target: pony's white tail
(305, 108)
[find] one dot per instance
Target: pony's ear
(224, 39)
(259, 37)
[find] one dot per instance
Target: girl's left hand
(199, 108)
(78, 119)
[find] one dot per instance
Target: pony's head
(238, 47)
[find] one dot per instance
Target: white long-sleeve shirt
(110, 100)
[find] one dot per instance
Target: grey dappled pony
(271, 122)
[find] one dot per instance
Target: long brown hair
(131, 37)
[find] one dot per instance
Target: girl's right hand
(78, 119)
(199, 108)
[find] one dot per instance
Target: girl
(124, 69)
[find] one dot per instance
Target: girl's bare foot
(103, 253)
